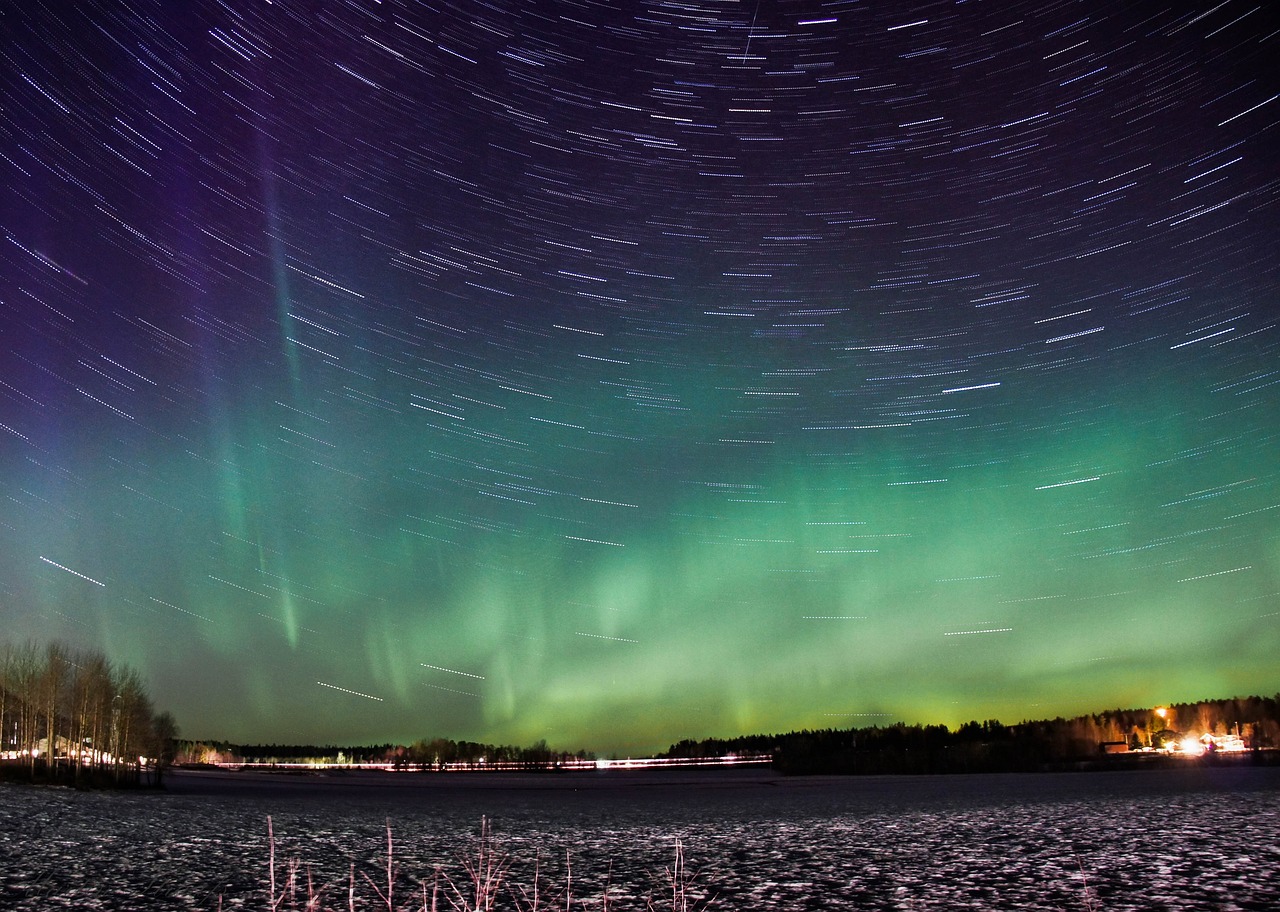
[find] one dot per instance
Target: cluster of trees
(425, 754)
(441, 753)
(223, 752)
(71, 715)
(992, 746)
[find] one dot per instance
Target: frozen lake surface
(1186, 839)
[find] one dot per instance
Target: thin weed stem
(1090, 898)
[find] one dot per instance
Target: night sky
(618, 373)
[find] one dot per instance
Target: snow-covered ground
(1173, 839)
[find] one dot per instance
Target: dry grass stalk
(480, 888)
(681, 881)
(485, 880)
(1090, 897)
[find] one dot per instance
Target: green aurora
(620, 404)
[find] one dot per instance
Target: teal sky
(385, 375)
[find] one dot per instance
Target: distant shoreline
(208, 781)
(233, 780)
(184, 780)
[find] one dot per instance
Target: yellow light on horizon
(1192, 746)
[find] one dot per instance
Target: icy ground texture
(1185, 840)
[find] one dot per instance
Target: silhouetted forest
(71, 716)
(1238, 724)
(425, 754)
(991, 746)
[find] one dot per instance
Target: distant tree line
(989, 746)
(302, 753)
(994, 747)
(439, 753)
(424, 754)
(72, 716)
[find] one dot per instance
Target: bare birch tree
(53, 676)
(91, 692)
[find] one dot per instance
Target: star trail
(619, 373)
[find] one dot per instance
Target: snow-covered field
(1174, 839)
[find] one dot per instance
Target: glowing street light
(1163, 713)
